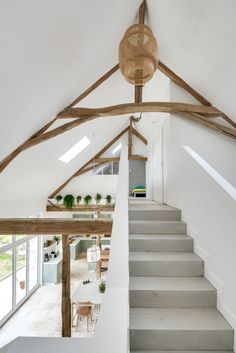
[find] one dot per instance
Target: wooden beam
(135, 157)
(4, 163)
(97, 155)
(129, 108)
(80, 208)
(40, 137)
(65, 300)
(94, 85)
(130, 137)
(180, 82)
(107, 159)
(47, 226)
(139, 136)
(210, 124)
(141, 12)
(138, 94)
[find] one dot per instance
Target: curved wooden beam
(148, 107)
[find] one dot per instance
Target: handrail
(112, 331)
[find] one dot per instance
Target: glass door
(33, 263)
(20, 272)
(6, 273)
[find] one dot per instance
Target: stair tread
(151, 207)
(163, 256)
(175, 319)
(137, 221)
(158, 236)
(161, 351)
(170, 283)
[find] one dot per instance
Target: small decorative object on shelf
(78, 199)
(22, 284)
(102, 286)
(59, 198)
(86, 281)
(98, 198)
(87, 199)
(69, 201)
(108, 200)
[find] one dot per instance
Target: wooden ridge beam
(47, 226)
(97, 155)
(210, 124)
(129, 108)
(139, 136)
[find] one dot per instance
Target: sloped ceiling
(51, 50)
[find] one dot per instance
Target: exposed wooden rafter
(130, 138)
(130, 108)
(41, 135)
(97, 155)
(139, 136)
(180, 82)
(210, 124)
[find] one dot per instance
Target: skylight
(230, 189)
(117, 148)
(75, 150)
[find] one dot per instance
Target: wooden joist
(47, 226)
(80, 208)
(130, 108)
(107, 159)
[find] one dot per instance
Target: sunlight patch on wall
(212, 172)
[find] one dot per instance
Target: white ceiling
(51, 50)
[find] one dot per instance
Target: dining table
(87, 292)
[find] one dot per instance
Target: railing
(112, 331)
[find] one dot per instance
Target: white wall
(209, 211)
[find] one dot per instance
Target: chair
(95, 314)
(83, 309)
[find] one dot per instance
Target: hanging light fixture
(138, 54)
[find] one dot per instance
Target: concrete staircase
(173, 307)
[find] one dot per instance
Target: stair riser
(161, 245)
(159, 215)
(181, 340)
(172, 299)
(166, 268)
(158, 228)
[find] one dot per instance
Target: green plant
(59, 198)
(102, 286)
(78, 199)
(98, 198)
(87, 199)
(56, 239)
(108, 200)
(69, 201)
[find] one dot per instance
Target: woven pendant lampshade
(138, 54)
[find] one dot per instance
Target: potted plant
(78, 199)
(87, 199)
(108, 200)
(56, 239)
(98, 198)
(102, 286)
(69, 201)
(59, 198)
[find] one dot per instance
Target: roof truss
(197, 113)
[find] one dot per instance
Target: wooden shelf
(80, 208)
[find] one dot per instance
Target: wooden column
(99, 263)
(130, 138)
(66, 302)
